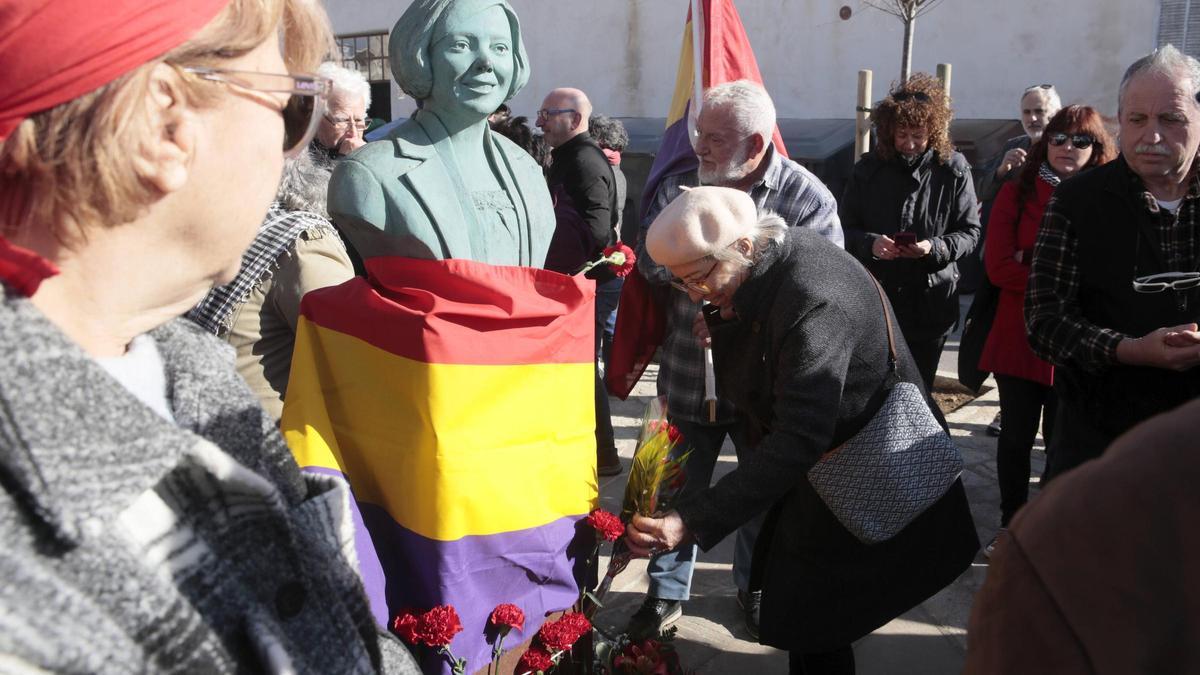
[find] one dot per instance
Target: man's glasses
(1081, 141)
(546, 113)
(303, 110)
(343, 122)
(918, 96)
(1157, 283)
(699, 286)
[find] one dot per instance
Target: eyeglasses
(343, 122)
(304, 107)
(919, 96)
(550, 112)
(1081, 141)
(699, 286)
(1157, 283)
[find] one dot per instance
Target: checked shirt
(1058, 332)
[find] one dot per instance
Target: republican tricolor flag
(457, 398)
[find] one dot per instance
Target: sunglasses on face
(1080, 141)
(304, 108)
(919, 96)
(1157, 283)
(547, 113)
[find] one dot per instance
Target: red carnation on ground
(507, 616)
(621, 259)
(404, 624)
(577, 624)
(558, 636)
(606, 524)
(438, 626)
(535, 659)
(646, 657)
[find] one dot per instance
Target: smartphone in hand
(905, 238)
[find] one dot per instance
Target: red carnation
(606, 524)
(621, 264)
(404, 624)
(577, 623)
(438, 626)
(673, 433)
(535, 659)
(507, 617)
(644, 658)
(557, 636)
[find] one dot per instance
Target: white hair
(1053, 100)
(1166, 60)
(753, 111)
(769, 230)
(347, 84)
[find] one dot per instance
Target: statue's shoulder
(517, 156)
(393, 154)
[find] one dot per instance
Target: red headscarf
(52, 51)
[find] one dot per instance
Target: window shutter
(1179, 24)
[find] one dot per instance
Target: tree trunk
(910, 24)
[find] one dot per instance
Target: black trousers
(837, 662)
(926, 354)
(1022, 403)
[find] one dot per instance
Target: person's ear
(164, 156)
(758, 144)
(744, 245)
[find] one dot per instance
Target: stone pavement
(928, 640)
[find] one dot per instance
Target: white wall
(624, 52)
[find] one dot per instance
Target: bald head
(564, 115)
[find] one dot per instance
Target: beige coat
(264, 327)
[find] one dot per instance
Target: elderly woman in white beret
(801, 350)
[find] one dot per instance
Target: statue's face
(472, 60)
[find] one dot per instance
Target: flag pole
(697, 66)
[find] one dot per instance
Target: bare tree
(907, 11)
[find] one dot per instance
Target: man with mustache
(1114, 292)
(584, 191)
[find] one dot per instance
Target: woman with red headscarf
(1075, 139)
(152, 518)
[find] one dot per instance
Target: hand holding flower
(647, 536)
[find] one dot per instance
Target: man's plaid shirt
(786, 188)
(1057, 330)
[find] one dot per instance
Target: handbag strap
(887, 320)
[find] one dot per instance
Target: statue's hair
(413, 35)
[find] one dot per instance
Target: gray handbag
(894, 468)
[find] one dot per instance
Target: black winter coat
(805, 366)
(933, 200)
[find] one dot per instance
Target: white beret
(699, 222)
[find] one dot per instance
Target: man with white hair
(341, 128)
(1038, 104)
(733, 144)
(1114, 291)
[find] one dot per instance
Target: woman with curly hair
(1075, 140)
(909, 214)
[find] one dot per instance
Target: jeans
(608, 294)
(671, 572)
(1021, 407)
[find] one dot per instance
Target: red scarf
(23, 269)
(52, 51)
